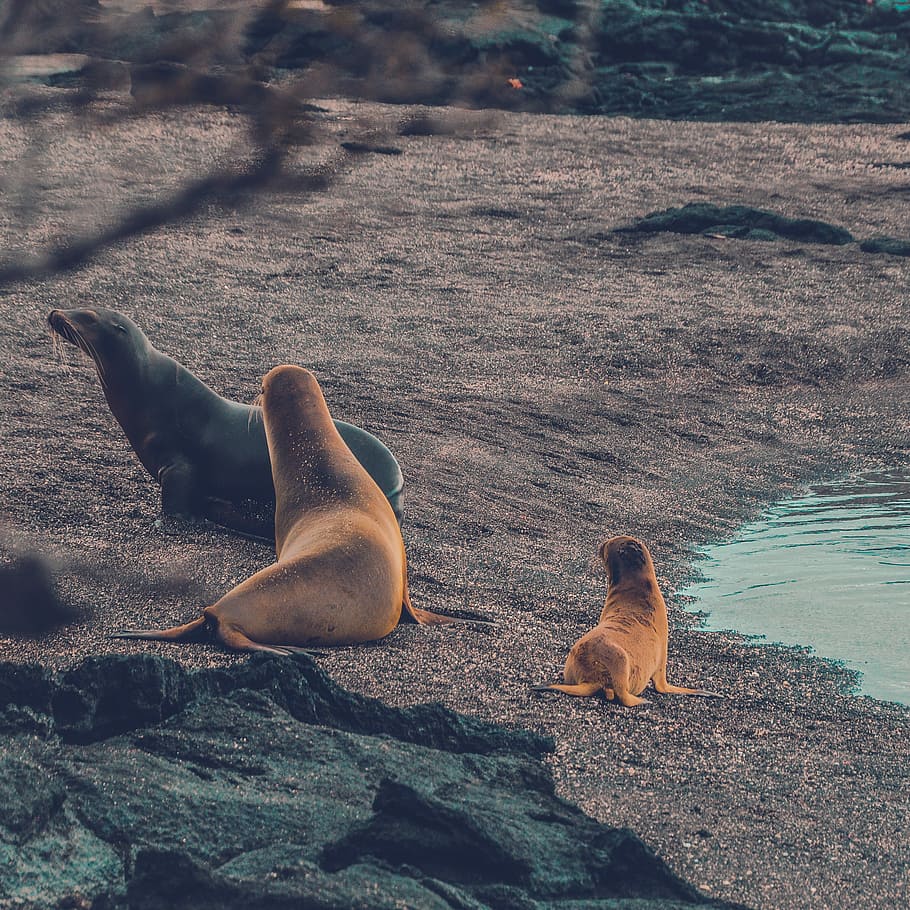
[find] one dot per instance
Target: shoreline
(824, 548)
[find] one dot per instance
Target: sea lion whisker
(255, 411)
(92, 352)
(59, 349)
(102, 376)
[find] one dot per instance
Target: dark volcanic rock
(718, 60)
(265, 785)
(462, 838)
(891, 245)
(114, 694)
(741, 222)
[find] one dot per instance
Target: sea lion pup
(341, 575)
(628, 646)
(208, 454)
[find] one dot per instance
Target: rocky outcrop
(741, 222)
(130, 782)
(804, 60)
(890, 245)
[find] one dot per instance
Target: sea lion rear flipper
(412, 614)
(664, 688)
(581, 690)
(194, 631)
(425, 617)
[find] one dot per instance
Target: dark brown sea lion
(628, 646)
(208, 454)
(341, 575)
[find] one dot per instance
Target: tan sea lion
(628, 646)
(208, 454)
(341, 575)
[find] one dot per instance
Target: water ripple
(827, 570)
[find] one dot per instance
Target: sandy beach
(544, 382)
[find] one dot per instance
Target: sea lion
(341, 576)
(628, 646)
(208, 454)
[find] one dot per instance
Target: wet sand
(544, 383)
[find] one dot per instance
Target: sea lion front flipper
(178, 482)
(664, 688)
(245, 522)
(231, 637)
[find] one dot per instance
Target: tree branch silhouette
(266, 62)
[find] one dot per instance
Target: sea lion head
(111, 339)
(624, 556)
(289, 390)
(295, 414)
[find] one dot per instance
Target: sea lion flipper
(246, 521)
(664, 688)
(628, 700)
(542, 687)
(428, 618)
(178, 481)
(231, 637)
(580, 690)
(412, 614)
(194, 631)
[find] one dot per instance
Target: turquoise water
(830, 569)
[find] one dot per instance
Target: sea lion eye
(120, 328)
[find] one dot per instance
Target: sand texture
(545, 382)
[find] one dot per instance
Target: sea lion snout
(97, 332)
(57, 320)
(60, 323)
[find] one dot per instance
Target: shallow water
(830, 569)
